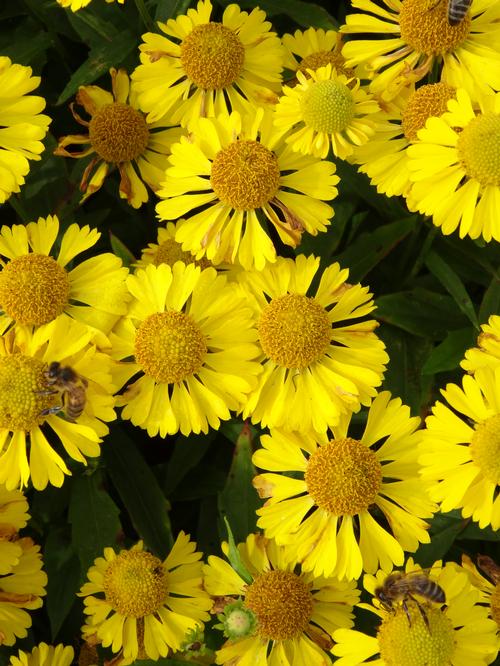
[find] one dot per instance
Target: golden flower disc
(294, 331)
(21, 401)
(427, 101)
(282, 604)
(245, 175)
(322, 58)
(478, 149)
(170, 251)
(343, 477)
(118, 133)
(135, 583)
(169, 347)
(402, 644)
(327, 106)
(485, 448)
(495, 604)
(34, 289)
(424, 26)
(212, 56)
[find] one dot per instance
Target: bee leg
(422, 613)
(46, 392)
(406, 610)
(52, 410)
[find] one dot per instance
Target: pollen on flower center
(294, 330)
(22, 397)
(135, 583)
(427, 101)
(282, 603)
(322, 58)
(478, 149)
(424, 26)
(485, 448)
(327, 106)
(245, 175)
(169, 347)
(495, 604)
(170, 251)
(34, 289)
(343, 477)
(416, 644)
(212, 56)
(118, 133)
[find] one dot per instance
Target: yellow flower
(22, 125)
(21, 590)
(203, 68)
(140, 605)
(28, 406)
(44, 655)
(240, 172)
(352, 504)
(326, 108)
(487, 352)
(14, 516)
(469, 52)
(167, 250)
(318, 361)
(283, 610)
(191, 338)
(35, 287)
(461, 448)
(456, 169)
(314, 48)
(119, 135)
(458, 633)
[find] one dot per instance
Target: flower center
(170, 251)
(294, 331)
(34, 289)
(322, 58)
(327, 106)
(495, 604)
(282, 603)
(212, 56)
(429, 100)
(21, 403)
(169, 347)
(245, 175)
(485, 448)
(135, 584)
(478, 149)
(118, 133)
(343, 477)
(424, 26)
(402, 644)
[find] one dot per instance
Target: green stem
(145, 16)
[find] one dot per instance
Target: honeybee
(72, 388)
(489, 567)
(399, 586)
(457, 9)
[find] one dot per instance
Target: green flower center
(343, 477)
(424, 26)
(416, 644)
(294, 331)
(485, 448)
(170, 251)
(135, 584)
(245, 175)
(427, 101)
(282, 603)
(212, 56)
(169, 347)
(118, 133)
(478, 149)
(34, 289)
(327, 106)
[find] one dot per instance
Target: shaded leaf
(121, 250)
(306, 14)
(491, 300)
(473, 531)
(187, 453)
(448, 354)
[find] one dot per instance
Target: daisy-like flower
(36, 287)
(167, 250)
(314, 48)
(44, 655)
(31, 412)
(352, 504)
(119, 135)
(384, 157)
(461, 448)
(21, 590)
(458, 633)
(419, 35)
(487, 352)
(318, 361)
(326, 109)
(14, 516)
(141, 606)
(22, 125)
(192, 341)
(281, 610)
(202, 68)
(239, 173)
(456, 169)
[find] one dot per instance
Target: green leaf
(473, 531)
(448, 354)
(234, 556)
(491, 300)
(453, 285)
(187, 453)
(444, 530)
(139, 491)
(121, 250)
(305, 14)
